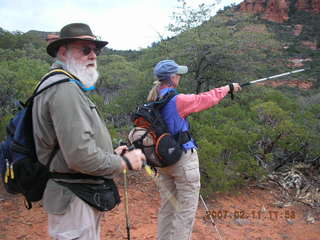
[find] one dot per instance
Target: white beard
(87, 75)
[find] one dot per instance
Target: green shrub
(242, 141)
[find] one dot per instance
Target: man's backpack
(20, 169)
(151, 134)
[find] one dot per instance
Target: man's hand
(135, 158)
(121, 149)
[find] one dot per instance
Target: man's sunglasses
(86, 50)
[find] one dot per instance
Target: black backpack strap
(167, 97)
(52, 73)
(45, 77)
(49, 86)
(161, 102)
(52, 154)
(30, 99)
(74, 176)
(183, 137)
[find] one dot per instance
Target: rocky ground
(250, 214)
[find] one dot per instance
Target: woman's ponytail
(154, 92)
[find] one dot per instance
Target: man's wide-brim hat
(73, 32)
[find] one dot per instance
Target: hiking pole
(212, 221)
(172, 199)
(272, 77)
(126, 204)
(126, 201)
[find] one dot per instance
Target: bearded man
(73, 141)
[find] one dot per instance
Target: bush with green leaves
(18, 79)
(244, 139)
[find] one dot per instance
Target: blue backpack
(20, 169)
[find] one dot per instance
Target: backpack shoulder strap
(57, 71)
(45, 88)
(165, 99)
(46, 76)
(52, 73)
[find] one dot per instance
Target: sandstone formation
(278, 10)
(312, 6)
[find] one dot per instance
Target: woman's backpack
(152, 136)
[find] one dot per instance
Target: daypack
(152, 136)
(20, 169)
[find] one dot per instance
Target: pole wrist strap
(231, 90)
(127, 162)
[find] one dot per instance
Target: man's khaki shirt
(63, 115)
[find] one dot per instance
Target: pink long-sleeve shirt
(191, 103)
(182, 105)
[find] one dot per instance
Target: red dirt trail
(248, 215)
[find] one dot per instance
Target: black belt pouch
(103, 197)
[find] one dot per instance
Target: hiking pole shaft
(212, 221)
(126, 202)
(172, 199)
(272, 77)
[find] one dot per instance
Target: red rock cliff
(309, 6)
(278, 10)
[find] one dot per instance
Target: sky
(125, 24)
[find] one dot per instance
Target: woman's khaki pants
(179, 187)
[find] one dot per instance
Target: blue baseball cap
(165, 68)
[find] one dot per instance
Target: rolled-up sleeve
(75, 130)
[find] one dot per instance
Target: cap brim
(53, 47)
(182, 70)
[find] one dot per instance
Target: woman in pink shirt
(181, 180)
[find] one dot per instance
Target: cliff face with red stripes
(278, 10)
